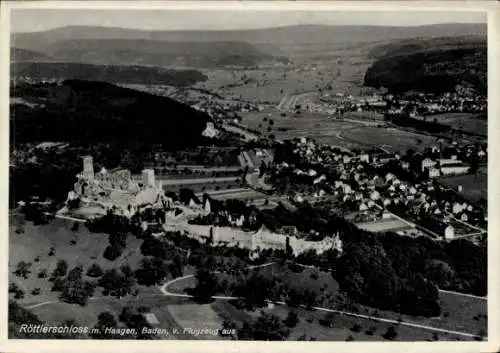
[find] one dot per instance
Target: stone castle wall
(262, 239)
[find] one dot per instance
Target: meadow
(463, 121)
(34, 243)
(474, 186)
(392, 139)
(311, 325)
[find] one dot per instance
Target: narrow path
(164, 290)
(463, 294)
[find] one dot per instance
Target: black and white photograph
(247, 174)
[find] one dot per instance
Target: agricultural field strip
(224, 192)
(191, 181)
(200, 168)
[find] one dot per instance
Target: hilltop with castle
(116, 191)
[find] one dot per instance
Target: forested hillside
(92, 111)
(106, 73)
(433, 66)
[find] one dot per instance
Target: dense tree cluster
(105, 320)
(403, 274)
(92, 111)
(134, 319)
(118, 283)
(436, 71)
(429, 126)
(117, 243)
(152, 271)
(112, 74)
(95, 271)
(74, 289)
(267, 327)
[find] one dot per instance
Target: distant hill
(112, 46)
(436, 65)
(274, 42)
(156, 53)
(90, 111)
(19, 54)
(106, 73)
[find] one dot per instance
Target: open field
(393, 139)
(475, 186)
(463, 121)
(384, 225)
(204, 187)
(339, 67)
(268, 85)
(190, 180)
(196, 316)
(248, 194)
(366, 115)
(349, 134)
(317, 126)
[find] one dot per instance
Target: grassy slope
(37, 240)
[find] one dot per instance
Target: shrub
(356, 328)
(58, 284)
(111, 253)
(292, 319)
(95, 271)
(143, 309)
(35, 291)
(371, 331)
(391, 333)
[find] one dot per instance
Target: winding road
(164, 289)
(165, 292)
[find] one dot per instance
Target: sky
(28, 20)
